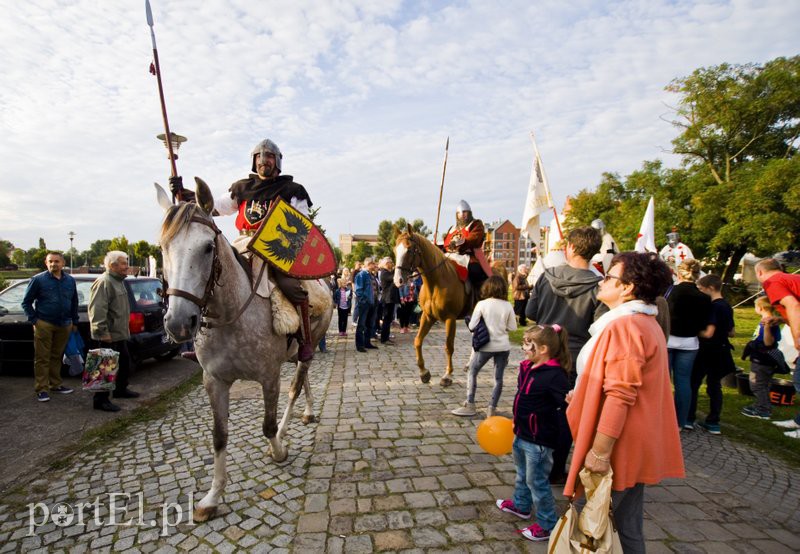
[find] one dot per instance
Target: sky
(361, 97)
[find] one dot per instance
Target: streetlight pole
(71, 236)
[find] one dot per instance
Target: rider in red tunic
(250, 199)
(463, 239)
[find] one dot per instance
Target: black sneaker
(62, 390)
(752, 411)
(710, 428)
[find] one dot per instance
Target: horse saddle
(462, 269)
(285, 319)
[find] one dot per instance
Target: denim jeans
(760, 383)
(712, 364)
(797, 385)
(532, 487)
(479, 359)
(628, 506)
(364, 328)
(681, 363)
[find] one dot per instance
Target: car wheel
(168, 355)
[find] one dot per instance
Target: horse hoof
(279, 457)
(425, 377)
(201, 515)
(306, 419)
(446, 381)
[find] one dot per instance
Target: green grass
(757, 433)
(20, 273)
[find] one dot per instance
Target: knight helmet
(674, 237)
(262, 148)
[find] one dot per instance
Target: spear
(441, 189)
(156, 68)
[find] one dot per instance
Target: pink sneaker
(535, 533)
(507, 506)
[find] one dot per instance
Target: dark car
(146, 324)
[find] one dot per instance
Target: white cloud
(359, 95)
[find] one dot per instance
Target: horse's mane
(177, 217)
(424, 244)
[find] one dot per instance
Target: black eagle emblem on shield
(286, 246)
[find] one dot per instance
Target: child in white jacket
(498, 315)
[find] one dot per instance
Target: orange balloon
(496, 435)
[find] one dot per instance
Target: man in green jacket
(109, 312)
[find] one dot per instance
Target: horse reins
(416, 252)
(213, 281)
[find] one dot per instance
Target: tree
(5, 250)
(621, 203)
(735, 120)
(119, 243)
(96, 252)
(388, 232)
(18, 257)
(732, 114)
(360, 251)
(141, 252)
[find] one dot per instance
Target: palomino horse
(442, 297)
(209, 289)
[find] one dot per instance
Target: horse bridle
(213, 278)
(213, 281)
(417, 253)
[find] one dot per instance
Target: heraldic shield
(292, 244)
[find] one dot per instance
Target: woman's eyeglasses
(608, 276)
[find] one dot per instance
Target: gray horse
(208, 285)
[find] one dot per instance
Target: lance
(441, 190)
(156, 68)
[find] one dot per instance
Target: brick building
(504, 242)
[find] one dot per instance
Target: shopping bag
(100, 372)
(73, 354)
(593, 530)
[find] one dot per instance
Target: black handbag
(480, 335)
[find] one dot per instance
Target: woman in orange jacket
(621, 413)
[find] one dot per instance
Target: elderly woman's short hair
(113, 257)
(646, 271)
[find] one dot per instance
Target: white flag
(646, 239)
(151, 266)
(538, 200)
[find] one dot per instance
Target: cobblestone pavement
(386, 469)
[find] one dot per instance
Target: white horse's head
(406, 252)
(189, 247)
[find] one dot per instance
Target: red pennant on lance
(152, 68)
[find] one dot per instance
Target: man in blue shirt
(51, 304)
(366, 298)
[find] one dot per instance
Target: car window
(145, 293)
(84, 290)
(11, 298)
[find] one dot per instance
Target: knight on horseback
(463, 244)
(250, 199)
